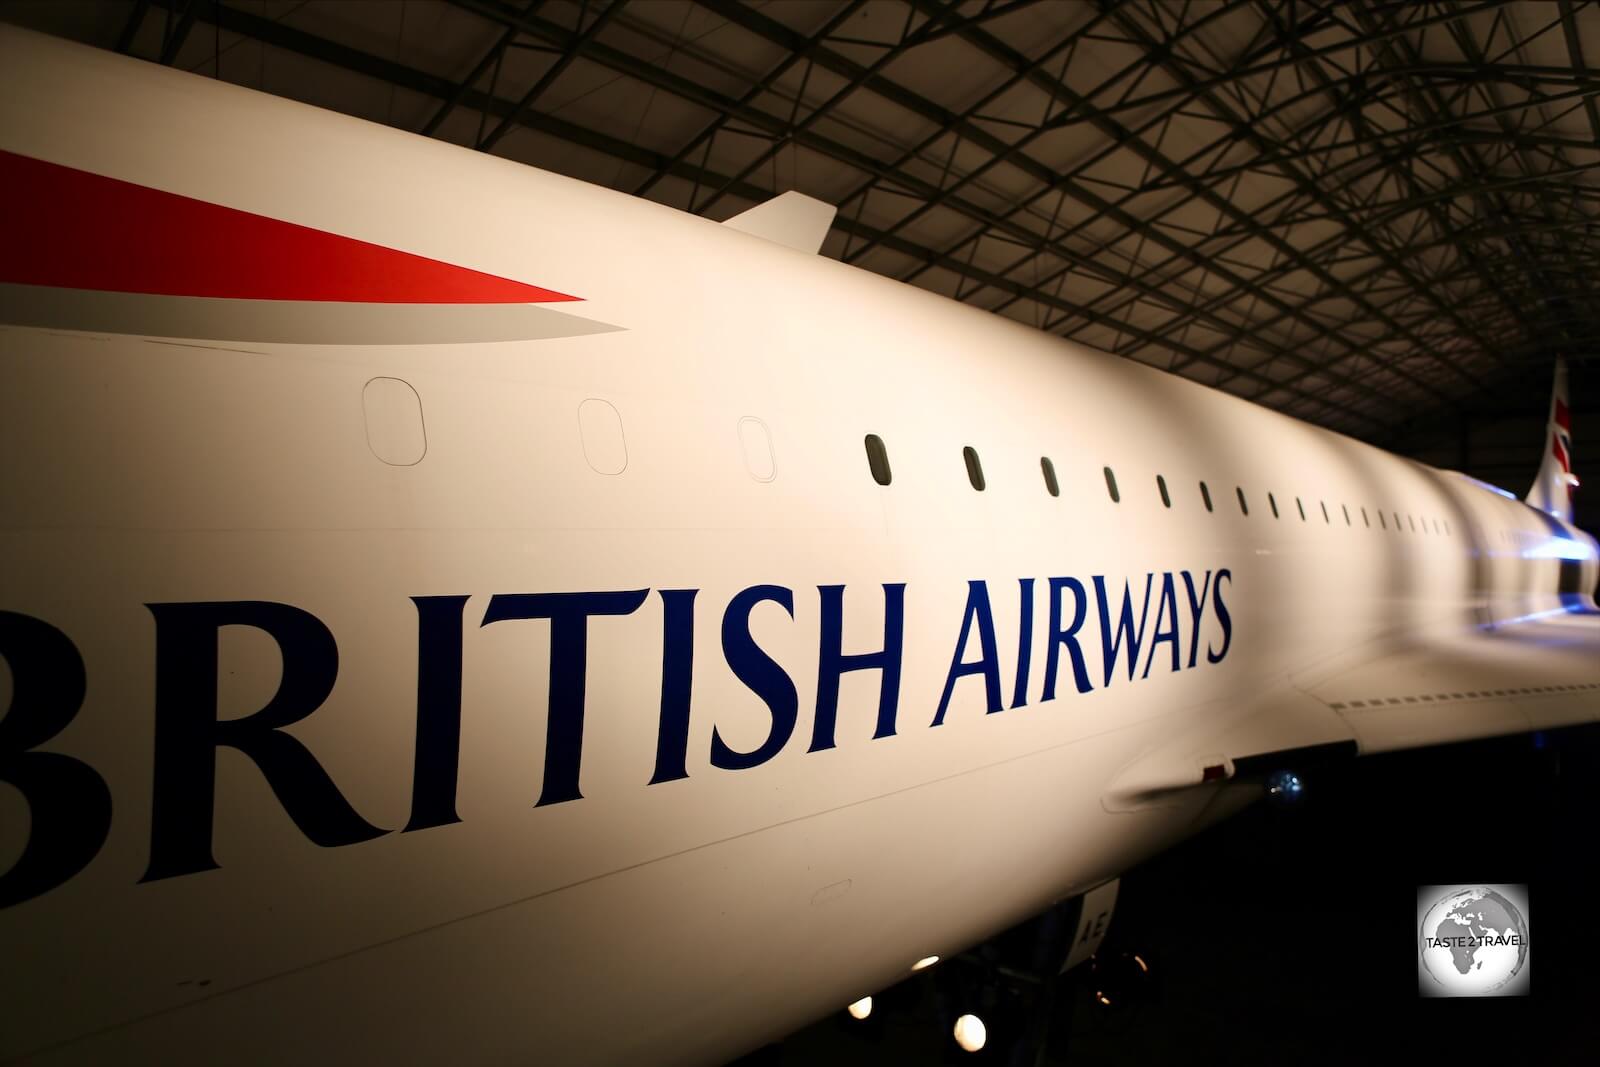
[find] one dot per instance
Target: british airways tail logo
(1099, 632)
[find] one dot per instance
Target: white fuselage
(689, 919)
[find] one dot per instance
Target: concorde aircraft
(455, 613)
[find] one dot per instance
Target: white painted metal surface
(688, 920)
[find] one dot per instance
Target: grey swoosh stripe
(285, 321)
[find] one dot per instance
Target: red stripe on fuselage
(72, 229)
(1563, 416)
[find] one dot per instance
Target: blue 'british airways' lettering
(70, 804)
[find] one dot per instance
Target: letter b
(68, 801)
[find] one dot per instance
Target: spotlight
(924, 963)
(970, 1033)
(1284, 785)
(861, 1008)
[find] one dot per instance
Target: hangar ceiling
(1374, 216)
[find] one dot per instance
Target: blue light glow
(1491, 488)
(1561, 548)
(1526, 618)
(1285, 784)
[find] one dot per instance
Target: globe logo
(1473, 941)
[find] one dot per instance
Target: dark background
(1286, 935)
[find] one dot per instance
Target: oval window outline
(392, 410)
(755, 442)
(605, 446)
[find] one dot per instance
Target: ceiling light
(970, 1033)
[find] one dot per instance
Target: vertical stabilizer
(1552, 490)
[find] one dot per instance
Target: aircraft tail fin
(1552, 490)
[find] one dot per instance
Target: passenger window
(394, 422)
(878, 459)
(1205, 494)
(1302, 508)
(1274, 502)
(756, 444)
(1244, 508)
(1161, 484)
(974, 468)
(604, 445)
(1346, 509)
(1324, 504)
(1412, 522)
(1049, 475)
(1397, 527)
(1111, 486)
(1382, 522)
